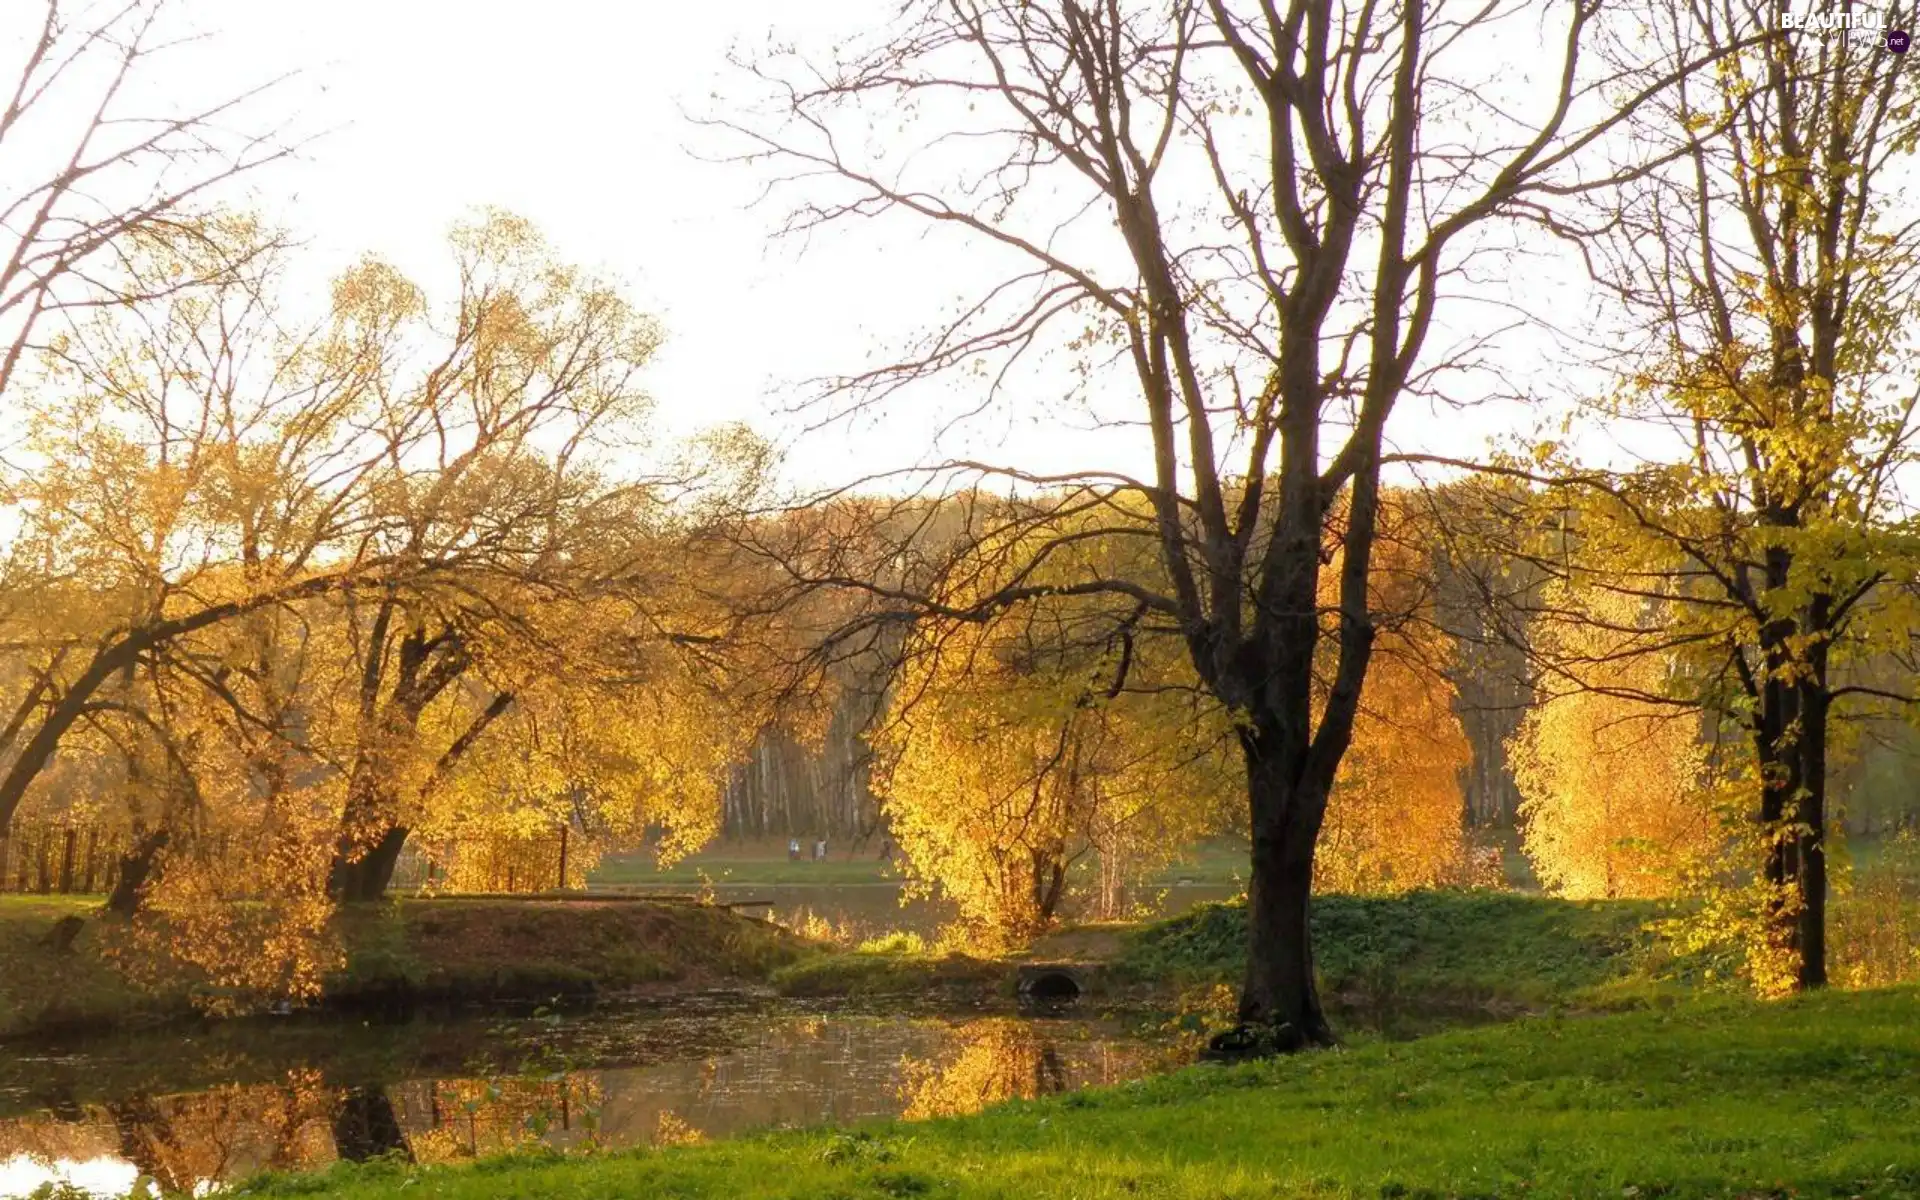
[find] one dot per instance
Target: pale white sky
(573, 113)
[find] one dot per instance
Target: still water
(190, 1112)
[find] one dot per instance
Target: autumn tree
(1243, 220)
(1396, 816)
(1760, 293)
(534, 354)
(1613, 777)
(1062, 739)
(612, 748)
(189, 462)
(307, 569)
(99, 158)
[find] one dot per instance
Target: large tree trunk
(1791, 744)
(372, 833)
(1779, 753)
(363, 827)
(1811, 819)
(136, 867)
(1280, 989)
(367, 877)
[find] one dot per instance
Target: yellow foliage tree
(1000, 782)
(1070, 730)
(1048, 754)
(1395, 819)
(309, 590)
(1610, 775)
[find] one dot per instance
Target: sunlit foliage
(1048, 756)
(292, 591)
(1395, 817)
(1610, 768)
(1035, 749)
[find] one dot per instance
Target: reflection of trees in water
(182, 1142)
(791, 1072)
(73, 1137)
(997, 1058)
(1007, 1058)
(367, 1127)
(464, 1118)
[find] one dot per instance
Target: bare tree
(92, 174)
(1252, 213)
(88, 163)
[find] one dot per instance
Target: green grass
(1427, 950)
(1221, 861)
(462, 949)
(24, 903)
(1809, 1098)
(1437, 947)
(893, 965)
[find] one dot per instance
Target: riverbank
(1498, 949)
(1494, 953)
(766, 861)
(401, 952)
(1497, 952)
(1809, 1097)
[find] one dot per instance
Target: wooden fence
(538, 863)
(60, 858)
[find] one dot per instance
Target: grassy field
(468, 949)
(20, 904)
(1808, 1098)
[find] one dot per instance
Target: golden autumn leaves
(383, 573)
(1055, 756)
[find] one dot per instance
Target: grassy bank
(465, 949)
(1488, 951)
(1485, 948)
(898, 964)
(1807, 1098)
(1469, 949)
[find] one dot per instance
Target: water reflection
(997, 1058)
(178, 1143)
(777, 1069)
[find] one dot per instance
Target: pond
(191, 1110)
